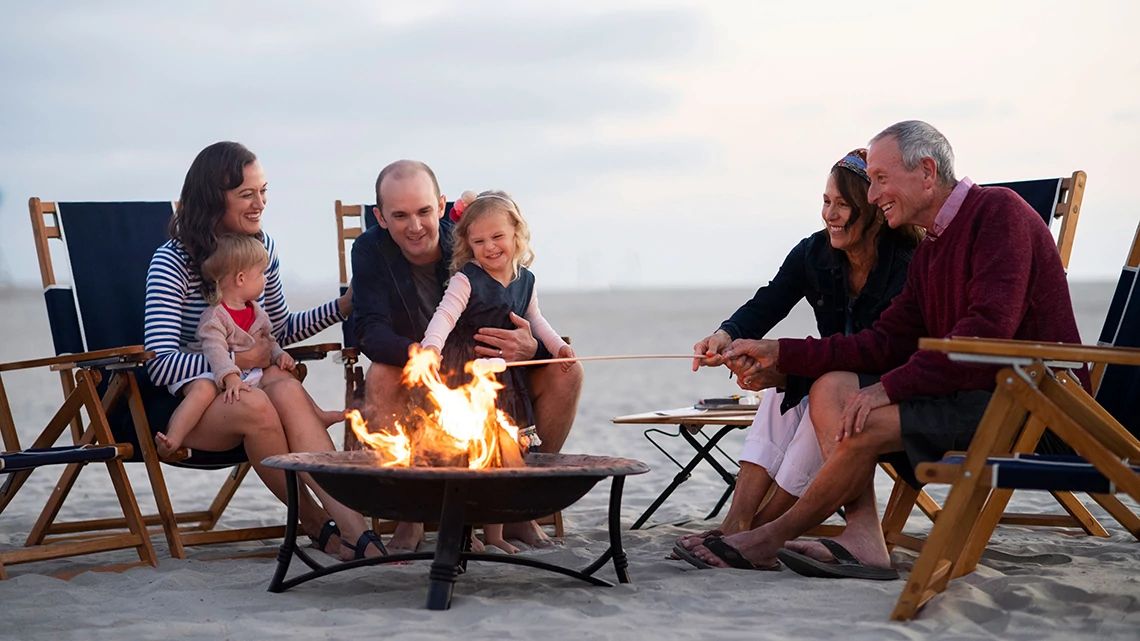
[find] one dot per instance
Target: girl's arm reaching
(542, 329)
(448, 313)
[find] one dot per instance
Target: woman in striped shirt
(224, 192)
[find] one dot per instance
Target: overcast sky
(649, 144)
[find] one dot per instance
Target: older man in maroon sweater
(988, 267)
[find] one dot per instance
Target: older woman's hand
(762, 379)
(709, 350)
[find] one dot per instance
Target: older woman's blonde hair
(233, 253)
(485, 204)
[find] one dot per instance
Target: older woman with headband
(848, 272)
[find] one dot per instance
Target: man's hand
(257, 356)
(516, 344)
(749, 357)
(709, 350)
(859, 406)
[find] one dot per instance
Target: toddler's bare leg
(197, 396)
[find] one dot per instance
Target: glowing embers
(459, 427)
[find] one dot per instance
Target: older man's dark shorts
(932, 426)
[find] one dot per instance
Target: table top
(741, 417)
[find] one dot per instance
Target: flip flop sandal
(673, 556)
(367, 537)
(733, 557)
(328, 530)
(845, 565)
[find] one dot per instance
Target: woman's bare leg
(253, 423)
(305, 432)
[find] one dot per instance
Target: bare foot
(503, 545)
(528, 532)
(168, 450)
(406, 538)
(331, 417)
(476, 544)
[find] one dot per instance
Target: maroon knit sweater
(993, 273)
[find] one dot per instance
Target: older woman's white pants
(783, 444)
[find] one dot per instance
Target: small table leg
(702, 454)
(449, 544)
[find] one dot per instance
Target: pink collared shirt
(950, 208)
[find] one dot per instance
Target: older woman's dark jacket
(816, 271)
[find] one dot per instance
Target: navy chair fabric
(1042, 195)
(1119, 391)
(109, 246)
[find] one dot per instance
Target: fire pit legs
(462, 497)
(448, 548)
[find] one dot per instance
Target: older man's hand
(859, 406)
(516, 344)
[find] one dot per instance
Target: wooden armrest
(129, 354)
(312, 352)
(1033, 350)
(349, 354)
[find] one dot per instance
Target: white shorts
(250, 376)
(784, 444)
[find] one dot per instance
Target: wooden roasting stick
(499, 365)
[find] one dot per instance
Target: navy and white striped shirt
(174, 305)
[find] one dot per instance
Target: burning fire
(460, 427)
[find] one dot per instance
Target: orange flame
(459, 426)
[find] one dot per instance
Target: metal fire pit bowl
(456, 498)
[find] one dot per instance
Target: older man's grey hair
(918, 140)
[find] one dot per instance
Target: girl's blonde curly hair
(486, 203)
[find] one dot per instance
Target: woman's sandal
(328, 530)
(367, 537)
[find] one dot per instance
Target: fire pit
(456, 498)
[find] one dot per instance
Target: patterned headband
(856, 164)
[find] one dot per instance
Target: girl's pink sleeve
(447, 314)
(541, 328)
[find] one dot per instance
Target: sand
(1068, 585)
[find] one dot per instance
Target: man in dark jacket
(399, 272)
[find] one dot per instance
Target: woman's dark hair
(216, 170)
(853, 188)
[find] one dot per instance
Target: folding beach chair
(1052, 198)
(1035, 392)
(91, 445)
(351, 222)
(108, 247)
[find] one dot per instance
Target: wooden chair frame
(903, 497)
(82, 396)
(181, 529)
(1032, 394)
